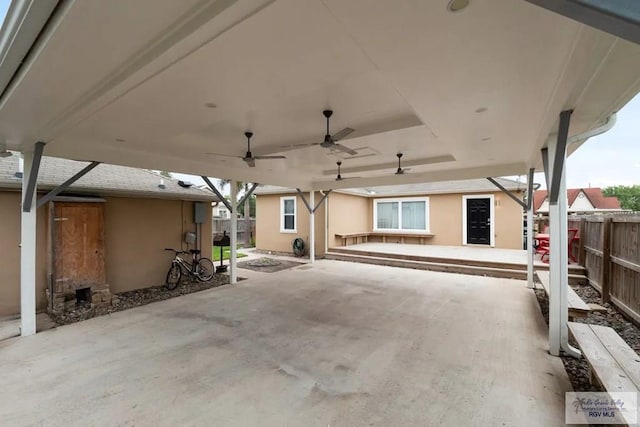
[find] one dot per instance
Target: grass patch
(225, 253)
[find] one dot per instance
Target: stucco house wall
(136, 232)
(347, 214)
(352, 213)
(269, 237)
(445, 220)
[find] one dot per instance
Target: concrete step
(573, 268)
(439, 260)
(474, 268)
(430, 266)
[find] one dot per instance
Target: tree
(628, 195)
(252, 207)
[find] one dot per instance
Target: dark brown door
(78, 249)
(479, 221)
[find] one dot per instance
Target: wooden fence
(609, 248)
(220, 225)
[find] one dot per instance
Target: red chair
(572, 237)
(541, 244)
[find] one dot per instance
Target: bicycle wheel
(204, 269)
(173, 277)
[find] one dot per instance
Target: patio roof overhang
(159, 84)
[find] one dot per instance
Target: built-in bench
(613, 364)
(577, 307)
(364, 236)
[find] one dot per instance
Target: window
(410, 214)
(287, 214)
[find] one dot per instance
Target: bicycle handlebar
(176, 251)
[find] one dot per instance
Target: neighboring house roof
(594, 195)
(102, 181)
(442, 187)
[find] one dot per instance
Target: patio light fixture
(457, 5)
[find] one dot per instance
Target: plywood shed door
(78, 250)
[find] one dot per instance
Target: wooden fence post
(582, 254)
(606, 259)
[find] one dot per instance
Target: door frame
(492, 234)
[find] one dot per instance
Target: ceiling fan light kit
(399, 171)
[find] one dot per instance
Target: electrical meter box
(190, 238)
(200, 212)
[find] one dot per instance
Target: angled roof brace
(507, 192)
(545, 165)
(306, 203)
(33, 176)
(559, 156)
(60, 188)
(248, 194)
(217, 193)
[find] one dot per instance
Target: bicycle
(199, 268)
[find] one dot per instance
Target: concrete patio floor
(332, 343)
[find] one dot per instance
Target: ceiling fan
(400, 170)
(339, 177)
(249, 158)
(330, 141)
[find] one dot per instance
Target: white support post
(233, 252)
(28, 255)
(558, 265)
(312, 227)
(530, 251)
(563, 245)
(326, 225)
(555, 308)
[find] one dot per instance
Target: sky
(612, 158)
(4, 5)
(609, 159)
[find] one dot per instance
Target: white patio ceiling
(132, 83)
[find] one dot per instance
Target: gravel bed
(577, 369)
(277, 253)
(268, 265)
(138, 297)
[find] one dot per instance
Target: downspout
(581, 137)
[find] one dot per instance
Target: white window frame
(492, 225)
(295, 214)
(400, 230)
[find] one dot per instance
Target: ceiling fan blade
(268, 157)
(224, 155)
(342, 134)
(251, 161)
(345, 149)
(402, 171)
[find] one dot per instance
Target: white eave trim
(23, 24)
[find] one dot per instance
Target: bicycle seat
(194, 251)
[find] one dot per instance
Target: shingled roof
(104, 180)
(595, 196)
(442, 187)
